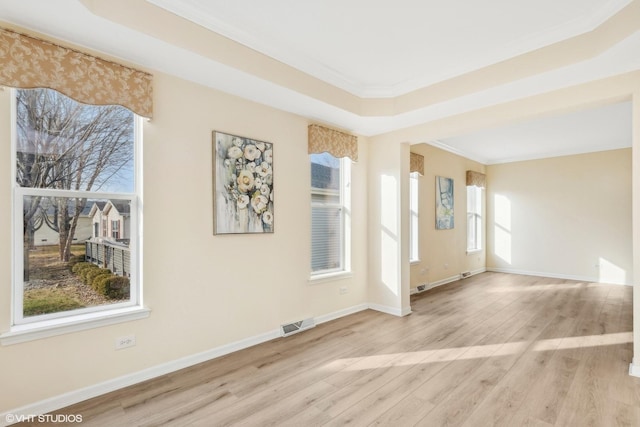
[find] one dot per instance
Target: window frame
(344, 205)
(24, 329)
(414, 217)
(476, 218)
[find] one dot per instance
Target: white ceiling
(375, 48)
(387, 48)
(598, 129)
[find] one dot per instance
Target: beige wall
(564, 217)
(204, 291)
(443, 253)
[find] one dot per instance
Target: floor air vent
(465, 274)
(292, 328)
(422, 288)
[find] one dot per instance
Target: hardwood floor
(494, 349)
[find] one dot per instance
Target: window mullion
(48, 192)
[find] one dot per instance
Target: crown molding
(305, 63)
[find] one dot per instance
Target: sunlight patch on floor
(545, 287)
(584, 341)
(475, 352)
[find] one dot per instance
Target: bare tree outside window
(64, 145)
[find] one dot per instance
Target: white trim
(42, 326)
(59, 326)
(345, 201)
(414, 218)
(307, 63)
(51, 192)
(478, 271)
(406, 311)
(17, 244)
(329, 277)
(399, 312)
(341, 313)
(557, 153)
(453, 150)
(634, 370)
(17, 266)
(444, 281)
(344, 205)
(137, 245)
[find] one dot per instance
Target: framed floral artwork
(444, 203)
(242, 185)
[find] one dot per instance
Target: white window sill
(473, 251)
(329, 277)
(51, 328)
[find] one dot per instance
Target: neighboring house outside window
(98, 220)
(330, 214)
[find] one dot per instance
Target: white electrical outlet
(124, 342)
(343, 290)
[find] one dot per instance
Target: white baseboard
(444, 281)
(634, 370)
(76, 396)
(441, 282)
(340, 313)
(406, 311)
(399, 312)
(478, 271)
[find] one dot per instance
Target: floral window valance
(336, 143)
(27, 63)
(476, 178)
(416, 163)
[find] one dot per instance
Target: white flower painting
(444, 203)
(243, 185)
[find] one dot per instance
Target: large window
(474, 218)
(72, 162)
(413, 220)
(330, 215)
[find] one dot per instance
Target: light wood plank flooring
(494, 349)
